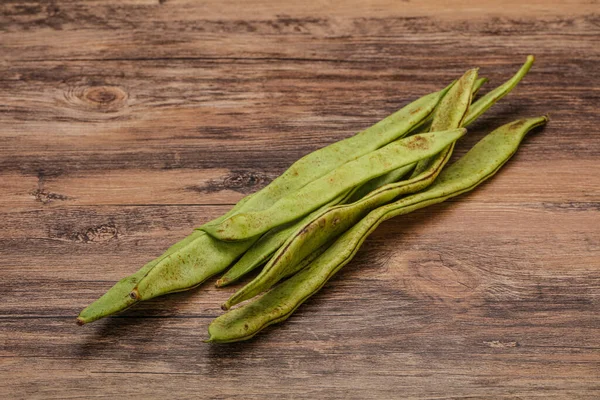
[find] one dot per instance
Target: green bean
(190, 266)
(315, 194)
(479, 164)
(260, 251)
(301, 172)
(489, 99)
(206, 256)
(334, 221)
(316, 164)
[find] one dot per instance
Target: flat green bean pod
(312, 196)
(489, 99)
(316, 164)
(303, 171)
(479, 164)
(398, 174)
(332, 222)
(190, 266)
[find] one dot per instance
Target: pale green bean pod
(332, 222)
(193, 272)
(397, 154)
(180, 271)
(319, 229)
(267, 245)
(117, 298)
(479, 164)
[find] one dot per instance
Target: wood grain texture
(127, 123)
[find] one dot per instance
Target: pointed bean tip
(530, 58)
(473, 71)
(80, 321)
(225, 306)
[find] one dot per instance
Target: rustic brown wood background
(126, 123)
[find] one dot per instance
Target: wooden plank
(190, 29)
(126, 124)
(565, 181)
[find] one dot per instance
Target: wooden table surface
(127, 123)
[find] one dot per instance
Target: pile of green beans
(310, 221)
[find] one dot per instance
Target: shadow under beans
(142, 324)
(406, 224)
(348, 271)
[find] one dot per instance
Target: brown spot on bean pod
(417, 142)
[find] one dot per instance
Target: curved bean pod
(489, 99)
(483, 104)
(479, 164)
(395, 155)
(334, 221)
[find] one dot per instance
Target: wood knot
(241, 182)
(497, 344)
(245, 181)
(102, 95)
(46, 197)
(107, 97)
(100, 233)
(103, 99)
(437, 277)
